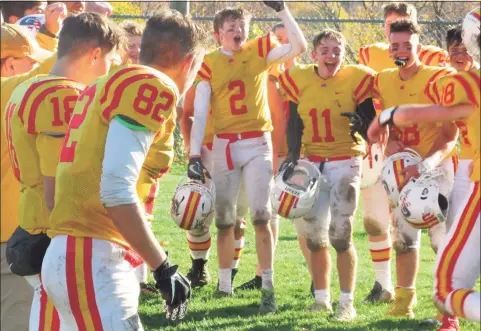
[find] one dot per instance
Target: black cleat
(253, 284)
(198, 273)
(378, 294)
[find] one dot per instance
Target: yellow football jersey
(376, 56)
(462, 88)
(239, 90)
(36, 120)
(391, 91)
(321, 102)
(143, 94)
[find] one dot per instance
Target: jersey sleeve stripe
(29, 93)
(366, 91)
(361, 85)
(361, 56)
(375, 88)
(32, 115)
(467, 88)
(431, 57)
(421, 55)
(286, 89)
(291, 82)
(206, 68)
(268, 42)
(476, 79)
(203, 76)
(368, 58)
(436, 93)
(119, 91)
(438, 74)
(112, 80)
(260, 49)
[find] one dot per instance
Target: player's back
(37, 117)
(376, 56)
(239, 87)
(132, 94)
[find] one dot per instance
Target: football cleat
(423, 202)
(253, 284)
(221, 294)
(294, 197)
(391, 177)
(193, 203)
(378, 294)
(345, 312)
(404, 302)
(450, 323)
(319, 307)
(198, 273)
(268, 302)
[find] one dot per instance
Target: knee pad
(341, 244)
(374, 227)
(403, 245)
(315, 244)
(225, 216)
(340, 236)
(261, 216)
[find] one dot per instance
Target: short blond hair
(328, 34)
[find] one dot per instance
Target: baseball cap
(18, 42)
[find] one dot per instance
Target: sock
(141, 273)
(322, 296)
(225, 282)
(381, 259)
(346, 297)
(199, 245)
(267, 279)
(239, 242)
(464, 303)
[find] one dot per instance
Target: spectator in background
(99, 7)
(15, 10)
(134, 32)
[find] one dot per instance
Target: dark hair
(17, 8)
(170, 37)
(277, 26)
(402, 9)
(454, 37)
(228, 14)
(88, 30)
(132, 28)
(404, 25)
(328, 34)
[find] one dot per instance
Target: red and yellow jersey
(321, 102)
(36, 120)
(391, 91)
(239, 87)
(140, 93)
(376, 56)
(463, 88)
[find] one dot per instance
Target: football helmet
(372, 166)
(471, 26)
(422, 203)
(391, 177)
(294, 197)
(32, 22)
(192, 206)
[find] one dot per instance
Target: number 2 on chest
(326, 114)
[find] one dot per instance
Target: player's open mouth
(237, 40)
(330, 65)
(401, 61)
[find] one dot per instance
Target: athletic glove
(358, 125)
(174, 288)
(196, 170)
(288, 166)
(276, 5)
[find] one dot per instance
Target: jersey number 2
(240, 87)
(68, 149)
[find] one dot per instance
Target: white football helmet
(372, 166)
(295, 197)
(422, 203)
(471, 26)
(391, 176)
(32, 22)
(193, 204)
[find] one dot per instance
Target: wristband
(386, 117)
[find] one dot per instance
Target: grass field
(291, 283)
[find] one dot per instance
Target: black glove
(276, 5)
(357, 125)
(174, 288)
(288, 166)
(196, 170)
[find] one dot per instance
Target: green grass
(291, 282)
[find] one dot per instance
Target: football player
(134, 32)
(18, 48)
(328, 143)
(408, 84)
(457, 97)
(233, 82)
(15, 10)
(36, 120)
(375, 205)
(98, 223)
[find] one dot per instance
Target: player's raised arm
(297, 42)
